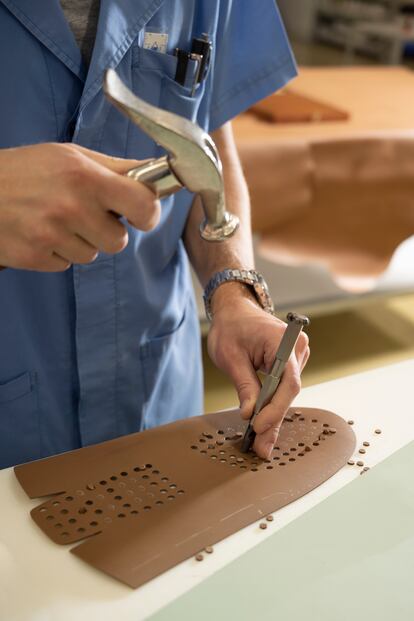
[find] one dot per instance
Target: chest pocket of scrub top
(19, 422)
(153, 80)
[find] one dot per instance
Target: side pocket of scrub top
(171, 368)
(19, 420)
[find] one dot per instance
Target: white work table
(42, 581)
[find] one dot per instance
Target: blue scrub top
(113, 347)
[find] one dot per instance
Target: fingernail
(268, 448)
(246, 407)
(246, 403)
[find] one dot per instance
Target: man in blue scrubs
(98, 329)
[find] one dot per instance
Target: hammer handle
(157, 176)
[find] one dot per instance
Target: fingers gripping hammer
(192, 160)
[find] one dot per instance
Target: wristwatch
(248, 277)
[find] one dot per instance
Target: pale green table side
(349, 558)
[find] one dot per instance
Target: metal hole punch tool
(295, 325)
(192, 161)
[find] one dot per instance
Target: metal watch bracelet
(247, 277)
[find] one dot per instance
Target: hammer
(192, 159)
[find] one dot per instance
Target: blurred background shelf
(381, 29)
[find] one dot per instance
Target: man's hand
(244, 339)
(59, 202)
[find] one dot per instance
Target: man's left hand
(243, 339)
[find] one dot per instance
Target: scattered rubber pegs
(263, 525)
(351, 462)
(366, 443)
(199, 557)
(362, 451)
(209, 549)
(350, 422)
(365, 469)
(378, 431)
(332, 430)
(360, 463)
(269, 518)
(90, 486)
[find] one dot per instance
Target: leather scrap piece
(142, 503)
(288, 106)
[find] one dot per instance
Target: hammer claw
(192, 155)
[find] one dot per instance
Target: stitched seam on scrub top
(43, 36)
(100, 136)
(51, 91)
(116, 302)
(116, 374)
(240, 86)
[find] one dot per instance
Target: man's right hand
(58, 204)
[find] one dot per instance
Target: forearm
(242, 338)
(237, 251)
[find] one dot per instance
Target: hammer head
(193, 157)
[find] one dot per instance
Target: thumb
(247, 385)
(115, 164)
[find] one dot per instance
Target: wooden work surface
(41, 581)
(378, 99)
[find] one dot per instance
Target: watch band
(247, 277)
